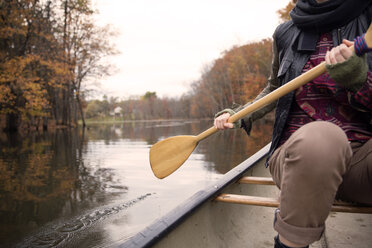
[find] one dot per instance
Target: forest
(48, 49)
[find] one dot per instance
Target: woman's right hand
(221, 122)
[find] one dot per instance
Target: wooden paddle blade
(168, 155)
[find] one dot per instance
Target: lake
(94, 187)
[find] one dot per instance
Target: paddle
(168, 155)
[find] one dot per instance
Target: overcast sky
(164, 44)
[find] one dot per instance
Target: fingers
(338, 54)
(228, 125)
(327, 59)
(347, 43)
(345, 51)
(221, 122)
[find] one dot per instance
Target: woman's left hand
(345, 67)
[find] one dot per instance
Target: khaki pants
(313, 167)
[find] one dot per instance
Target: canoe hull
(202, 222)
(217, 224)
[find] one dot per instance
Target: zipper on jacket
(339, 36)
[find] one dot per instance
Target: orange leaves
(35, 97)
(253, 84)
(6, 32)
(24, 81)
(9, 70)
(237, 77)
(47, 49)
(284, 12)
(19, 81)
(6, 98)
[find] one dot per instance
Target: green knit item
(236, 124)
(351, 74)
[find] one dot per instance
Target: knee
(321, 145)
(320, 138)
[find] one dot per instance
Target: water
(95, 188)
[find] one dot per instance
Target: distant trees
(47, 49)
(237, 77)
(146, 107)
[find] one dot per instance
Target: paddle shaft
(282, 91)
(274, 95)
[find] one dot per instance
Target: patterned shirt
(323, 99)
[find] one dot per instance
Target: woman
(321, 147)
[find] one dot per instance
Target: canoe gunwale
(161, 227)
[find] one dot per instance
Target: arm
(222, 117)
(352, 73)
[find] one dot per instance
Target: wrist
(351, 74)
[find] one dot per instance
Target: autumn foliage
(284, 13)
(235, 78)
(47, 49)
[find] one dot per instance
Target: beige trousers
(313, 167)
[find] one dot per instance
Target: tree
(236, 77)
(24, 68)
(284, 13)
(47, 50)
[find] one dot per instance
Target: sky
(165, 44)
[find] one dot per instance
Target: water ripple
(60, 234)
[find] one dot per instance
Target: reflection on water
(62, 233)
(81, 188)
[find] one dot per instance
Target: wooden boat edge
(161, 227)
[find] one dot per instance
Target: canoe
(207, 219)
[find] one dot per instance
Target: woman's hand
(221, 122)
(340, 53)
(346, 68)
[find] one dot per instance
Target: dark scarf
(323, 17)
(314, 18)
